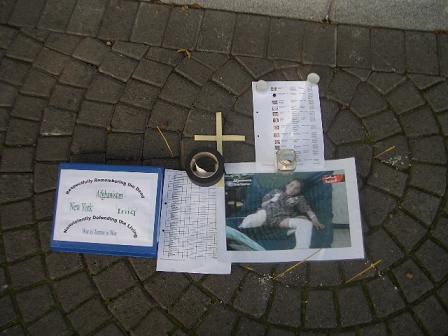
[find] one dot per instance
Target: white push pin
(261, 86)
(313, 78)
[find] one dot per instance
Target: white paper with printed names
(187, 237)
(287, 115)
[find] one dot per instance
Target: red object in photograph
(330, 179)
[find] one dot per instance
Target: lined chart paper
(187, 237)
(287, 115)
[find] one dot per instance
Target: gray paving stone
(404, 325)
(232, 77)
(45, 234)
(433, 258)
(27, 107)
(19, 244)
(17, 160)
(257, 67)
(273, 331)
(57, 122)
(443, 293)
(53, 148)
(374, 330)
(163, 55)
(91, 51)
(26, 273)
(144, 268)
(346, 128)
(419, 122)
(35, 33)
(63, 43)
(152, 72)
(13, 71)
(183, 28)
(4, 117)
(7, 95)
(132, 50)
(78, 74)
(353, 47)
(413, 282)
(387, 179)
(216, 31)
(98, 158)
(424, 81)
(28, 300)
(405, 229)
(117, 66)
(24, 48)
(154, 146)
(6, 7)
(320, 310)
(381, 246)
(376, 206)
(286, 39)
(398, 157)
(319, 44)
(21, 132)
(429, 178)
(329, 110)
(421, 205)
(194, 71)
(105, 89)
(179, 90)
(86, 17)
(38, 84)
(224, 287)
(56, 14)
(443, 53)
(95, 114)
(353, 306)
(433, 316)
(130, 308)
(166, 288)
(88, 317)
(168, 116)
(51, 324)
(97, 263)
(285, 308)
(214, 99)
(45, 177)
(193, 301)
(26, 13)
(382, 125)
(421, 53)
(385, 296)
(129, 119)
(62, 264)
(155, 321)
(110, 330)
(429, 149)
(7, 35)
(219, 321)
(250, 327)
(240, 125)
(17, 214)
(17, 187)
(324, 274)
(362, 154)
(367, 101)
(114, 280)
(437, 97)
(118, 20)
(388, 50)
(124, 146)
(361, 74)
(140, 94)
(250, 36)
(88, 140)
(239, 152)
(253, 296)
(66, 97)
(150, 31)
(43, 205)
(211, 60)
(385, 82)
(342, 87)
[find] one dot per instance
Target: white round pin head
(313, 78)
(261, 86)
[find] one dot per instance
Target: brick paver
(91, 80)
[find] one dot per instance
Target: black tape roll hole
(204, 164)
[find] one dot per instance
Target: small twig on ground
(166, 141)
(391, 148)
(357, 275)
(296, 265)
(185, 51)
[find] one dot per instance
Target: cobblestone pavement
(89, 81)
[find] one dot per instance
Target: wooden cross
(219, 137)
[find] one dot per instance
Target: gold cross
(219, 137)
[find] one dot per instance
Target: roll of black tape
(204, 166)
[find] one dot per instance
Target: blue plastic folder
(108, 210)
